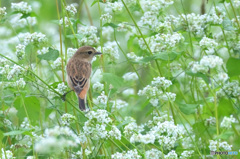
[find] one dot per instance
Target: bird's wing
(79, 73)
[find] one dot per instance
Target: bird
(79, 70)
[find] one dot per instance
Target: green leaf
(166, 56)
(113, 79)
(95, 1)
(233, 65)
(52, 54)
(110, 24)
(78, 36)
(188, 108)
(225, 107)
(203, 76)
(227, 25)
(226, 135)
(17, 132)
(32, 106)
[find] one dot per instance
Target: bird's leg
(64, 95)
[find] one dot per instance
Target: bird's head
(87, 53)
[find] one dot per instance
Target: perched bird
(79, 69)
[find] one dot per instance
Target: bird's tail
(81, 104)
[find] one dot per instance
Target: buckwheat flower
(7, 122)
(71, 9)
(168, 96)
(230, 89)
(118, 104)
(57, 63)
(211, 61)
(149, 19)
(100, 115)
(20, 51)
(146, 139)
(116, 6)
(25, 124)
(222, 77)
(149, 91)
(130, 2)
(102, 99)
(56, 140)
(208, 44)
(20, 83)
(16, 70)
(79, 154)
(211, 121)
(132, 128)
(67, 119)
(115, 133)
(161, 82)
(128, 92)
(186, 154)
(98, 87)
(225, 146)
(134, 57)
(43, 50)
(110, 50)
(216, 16)
(106, 18)
(155, 5)
(131, 154)
(236, 3)
(154, 101)
(130, 76)
(21, 7)
(61, 88)
(66, 21)
(124, 27)
(71, 52)
(153, 154)
(171, 155)
(35, 38)
(31, 157)
(228, 121)
(3, 12)
(87, 30)
(196, 67)
(7, 154)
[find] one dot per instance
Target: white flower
(67, 22)
(61, 88)
(134, 57)
(43, 50)
(131, 154)
(161, 82)
(35, 38)
(115, 133)
(7, 154)
(67, 119)
(154, 101)
(186, 154)
(128, 92)
(228, 121)
(20, 51)
(2, 12)
(146, 139)
(71, 9)
(116, 6)
(89, 33)
(16, 70)
(106, 18)
(222, 77)
(20, 83)
(57, 63)
(118, 104)
(130, 76)
(153, 154)
(210, 121)
(209, 44)
(21, 7)
(213, 145)
(171, 155)
(98, 87)
(230, 89)
(155, 5)
(102, 99)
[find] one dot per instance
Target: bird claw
(63, 97)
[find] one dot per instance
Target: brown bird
(79, 69)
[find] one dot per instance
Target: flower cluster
(110, 50)
(224, 145)
(206, 63)
(131, 154)
(22, 7)
(116, 7)
(98, 87)
(89, 35)
(130, 76)
(35, 38)
(15, 71)
(20, 51)
(134, 57)
(67, 119)
(161, 42)
(97, 125)
(230, 89)
(71, 9)
(61, 88)
(106, 18)
(56, 139)
(208, 44)
(118, 104)
(3, 12)
(228, 121)
(66, 21)
(7, 154)
(156, 91)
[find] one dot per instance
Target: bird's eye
(89, 52)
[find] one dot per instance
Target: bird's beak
(97, 53)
